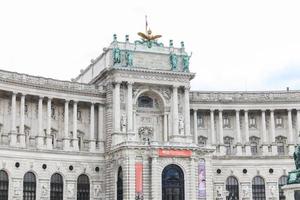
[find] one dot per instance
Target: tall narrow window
(3, 185)
(57, 187)
(232, 186)
(258, 188)
(120, 184)
(281, 143)
(282, 181)
(83, 187)
(29, 186)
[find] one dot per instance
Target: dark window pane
(282, 181)
(29, 186)
(232, 186)
(258, 188)
(83, 187)
(3, 185)
(56, 190)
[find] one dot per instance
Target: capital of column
(175, 86)
(263, 110)
(246, 110)
(212, 110)
(289, 109)
(237, 110)
(67, 100)
(272, 110)
(187, 88)
(41, 97)
(117, 82)
(130, 82)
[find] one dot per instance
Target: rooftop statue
(148, 38)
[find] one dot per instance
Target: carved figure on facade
(146, 134)
(129, 58)
(123, 122)
(70, 190)
(116, 55)
(149, 39)
(186, 63)
(173, 61)
(273, 192)
(245, 191)
(219, 192)
(17, 187)
(181, 125)
(97, 190)
(44, 188)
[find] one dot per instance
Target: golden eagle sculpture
(148, 36)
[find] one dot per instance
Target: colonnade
(45, 141)
(238, 137)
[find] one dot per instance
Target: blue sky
(236, 45)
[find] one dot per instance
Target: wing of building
(128, 127)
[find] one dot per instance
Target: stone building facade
(128, 127)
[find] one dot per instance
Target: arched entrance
(172, 183)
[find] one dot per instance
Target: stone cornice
(24, 80)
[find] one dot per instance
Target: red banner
(139, 178)
(174, 153)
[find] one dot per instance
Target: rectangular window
(226, 122)
(252, 122)
(200, 121)
(279, 122)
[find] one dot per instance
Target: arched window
(282, 181)
(83, 187)
(3, 185)
(29, 186)
(145, 102)
(57, 187)
(120, 184)
(258, 188)
(232, 186)
(172, 183)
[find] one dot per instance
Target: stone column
(265, 150)
(13, 131)
(116, 104)
(221, 134)
(48, 137)
(187, 128)
(22, 122)
(298, 126)
(238, 133)
(165, 126)
(75, 138)
(272, 127)
(100, 128)
(247, 144)
(92, 129)
(195, 127)
(175, 110)
(129, 107)
(66, 139)
(40, 136)
(291, 142)
(212, 127)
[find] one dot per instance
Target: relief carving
(123, 122)
(70, 190)
(44, 188)
(146, 134)
(98, 189)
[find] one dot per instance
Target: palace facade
(129, 127)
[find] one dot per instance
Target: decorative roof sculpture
(148, 38)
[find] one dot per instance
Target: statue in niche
(186, 62)
(173, 61)
(123, 122)
(181, 125)
(129, 58)
(272, 190)
(116, 55)
(219, 192)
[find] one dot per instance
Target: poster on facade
(138, 180)
(201, 179)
